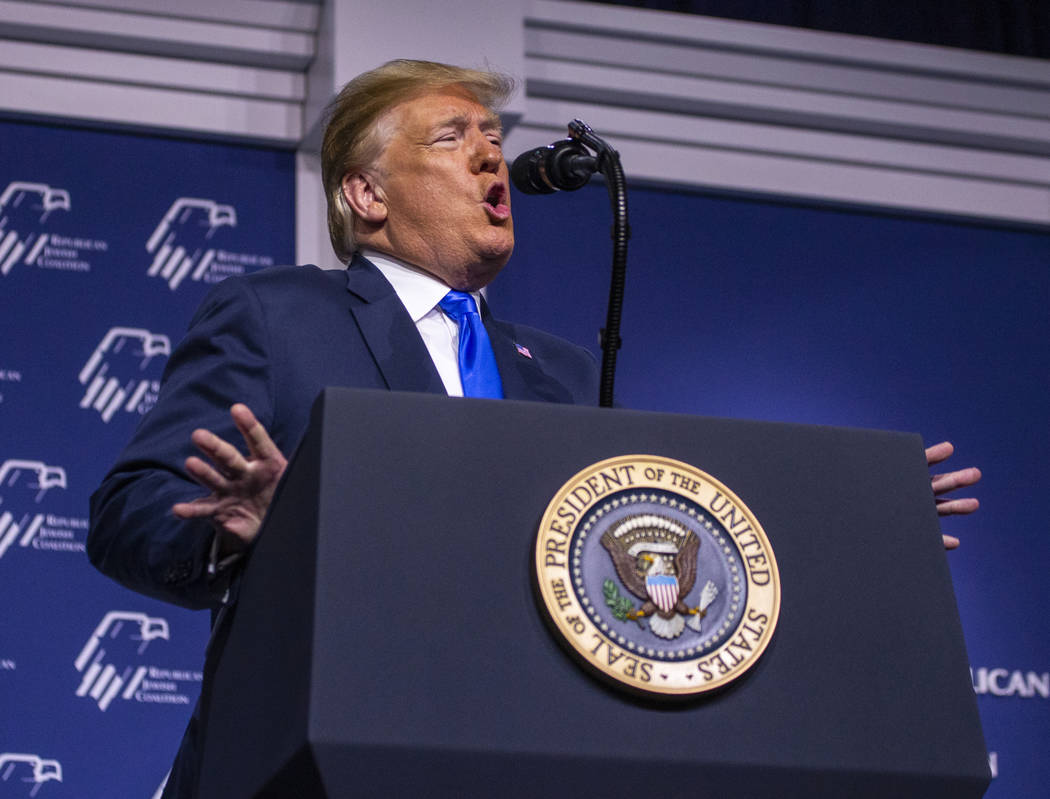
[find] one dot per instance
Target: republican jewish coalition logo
(120, 636)
(24, 207)
(116, 375)
(181, 245)
(113, 664)
(32, 771)
(24, 483)
(657, 576)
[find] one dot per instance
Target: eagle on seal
(656, 559)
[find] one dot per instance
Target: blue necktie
(477, 363)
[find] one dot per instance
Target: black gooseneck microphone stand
(568, 165)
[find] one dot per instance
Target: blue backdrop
(734, 308)
(107, 244)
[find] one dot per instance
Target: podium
(387, 638)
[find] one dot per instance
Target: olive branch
(617, 602)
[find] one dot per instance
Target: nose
(487, 156)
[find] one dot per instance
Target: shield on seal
(663, 590)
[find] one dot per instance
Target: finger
(204, 507)
(943, 483)
(950, 541)
(207, 476)
(226, 456)
(939, 452)
(260, 445)
(957, 507)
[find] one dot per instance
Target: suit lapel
(402, 357)
(388, 331)
(523, 378)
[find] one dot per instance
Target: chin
(499, 248)
(490, 258)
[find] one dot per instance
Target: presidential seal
(657, 575)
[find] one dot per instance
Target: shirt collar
(418, 291)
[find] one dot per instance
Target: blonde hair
(353, 139)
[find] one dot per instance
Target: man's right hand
(241, 488)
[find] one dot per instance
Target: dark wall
(1014, 27)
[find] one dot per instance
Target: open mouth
(496, 201)
(495, 194)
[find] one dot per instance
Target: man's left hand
(945, 483)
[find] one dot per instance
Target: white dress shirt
(420, 292)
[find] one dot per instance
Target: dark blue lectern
(387, 640)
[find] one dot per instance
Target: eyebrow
(488, 122)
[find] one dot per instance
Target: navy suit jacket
(273, 340)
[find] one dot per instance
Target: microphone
(565, 165)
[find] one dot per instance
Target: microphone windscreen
(527, 173)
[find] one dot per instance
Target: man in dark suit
(419, 203)
(416, 178)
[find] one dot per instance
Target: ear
(364, 196)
